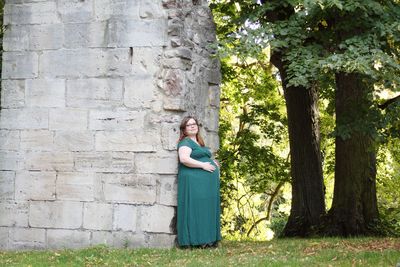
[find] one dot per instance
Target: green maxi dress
(198, 214)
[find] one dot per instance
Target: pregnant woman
(198, 222)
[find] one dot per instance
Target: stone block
(132, 240)
(108, 9)
(176, 28)
(165, 117)
(167, 190)
(150, 219)
(212, 141)
(137, 33)
(94, 93)
(98, 216)
(27, 238)
(129, 188)
(95, 62)
(73, 11)
(125, 218)
(162, 164)
(77, 186)
(60, 239)
(212, 122)
(122, 120)
(73, 63)
(9, 140)
(119, 239)
(31, 13)
(151, 10)
(213, 96)
(11, 160)
(27, 1)
(20, 119)
(43, 37)
(14, 214)
(177, 63)
(45, 93)
(174, 104)
(7, 179)
(12, 93)
(213, 76)
(68, 119)
(135, 61)
(74, 141)
(33, 37)
(161, 241)
(81, 35)
(39, 140)
(137, 141)
(174, 84)
(182, 52)
(4, 238)
(139, 92)
(35, 185)
(55, 214)
(20, 65)
(176, 41)
(49, 161)
(169, 136)
(119, 162)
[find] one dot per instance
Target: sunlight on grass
(278, 252)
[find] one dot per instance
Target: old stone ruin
(92, 95)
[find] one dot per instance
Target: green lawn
(280, 252)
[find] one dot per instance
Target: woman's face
(191, 128)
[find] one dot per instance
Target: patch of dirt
(345, 245)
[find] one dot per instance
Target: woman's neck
(193, 137)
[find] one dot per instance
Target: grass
(279, 252)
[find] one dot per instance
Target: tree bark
(308, 202)
(354, 207)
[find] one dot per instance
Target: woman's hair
(182, 129)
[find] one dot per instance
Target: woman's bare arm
(185, 159)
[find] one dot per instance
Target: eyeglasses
(191, 124)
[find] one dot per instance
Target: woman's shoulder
(184, 142)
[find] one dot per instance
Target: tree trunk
(308, 203)
(354, 206)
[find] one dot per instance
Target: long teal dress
(198, 214)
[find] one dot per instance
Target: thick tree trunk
(354, 206)
(308, 203)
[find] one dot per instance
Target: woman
(198, 222)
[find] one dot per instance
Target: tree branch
(385, 104)
(269, 208)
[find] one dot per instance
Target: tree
(354, 41)
(362, 41)
(354, 208)
(301, 102)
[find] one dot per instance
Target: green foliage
(388, 184)
(253, 143)
(317, 40)
(325, 37)
(252, 132)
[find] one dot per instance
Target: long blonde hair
(182, 129)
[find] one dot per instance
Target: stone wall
(93, 92)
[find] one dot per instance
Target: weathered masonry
(92, 95)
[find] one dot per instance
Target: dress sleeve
(184, 142)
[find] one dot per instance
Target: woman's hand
(207, 166)
(217, 163)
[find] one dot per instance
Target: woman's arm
(185, 159)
